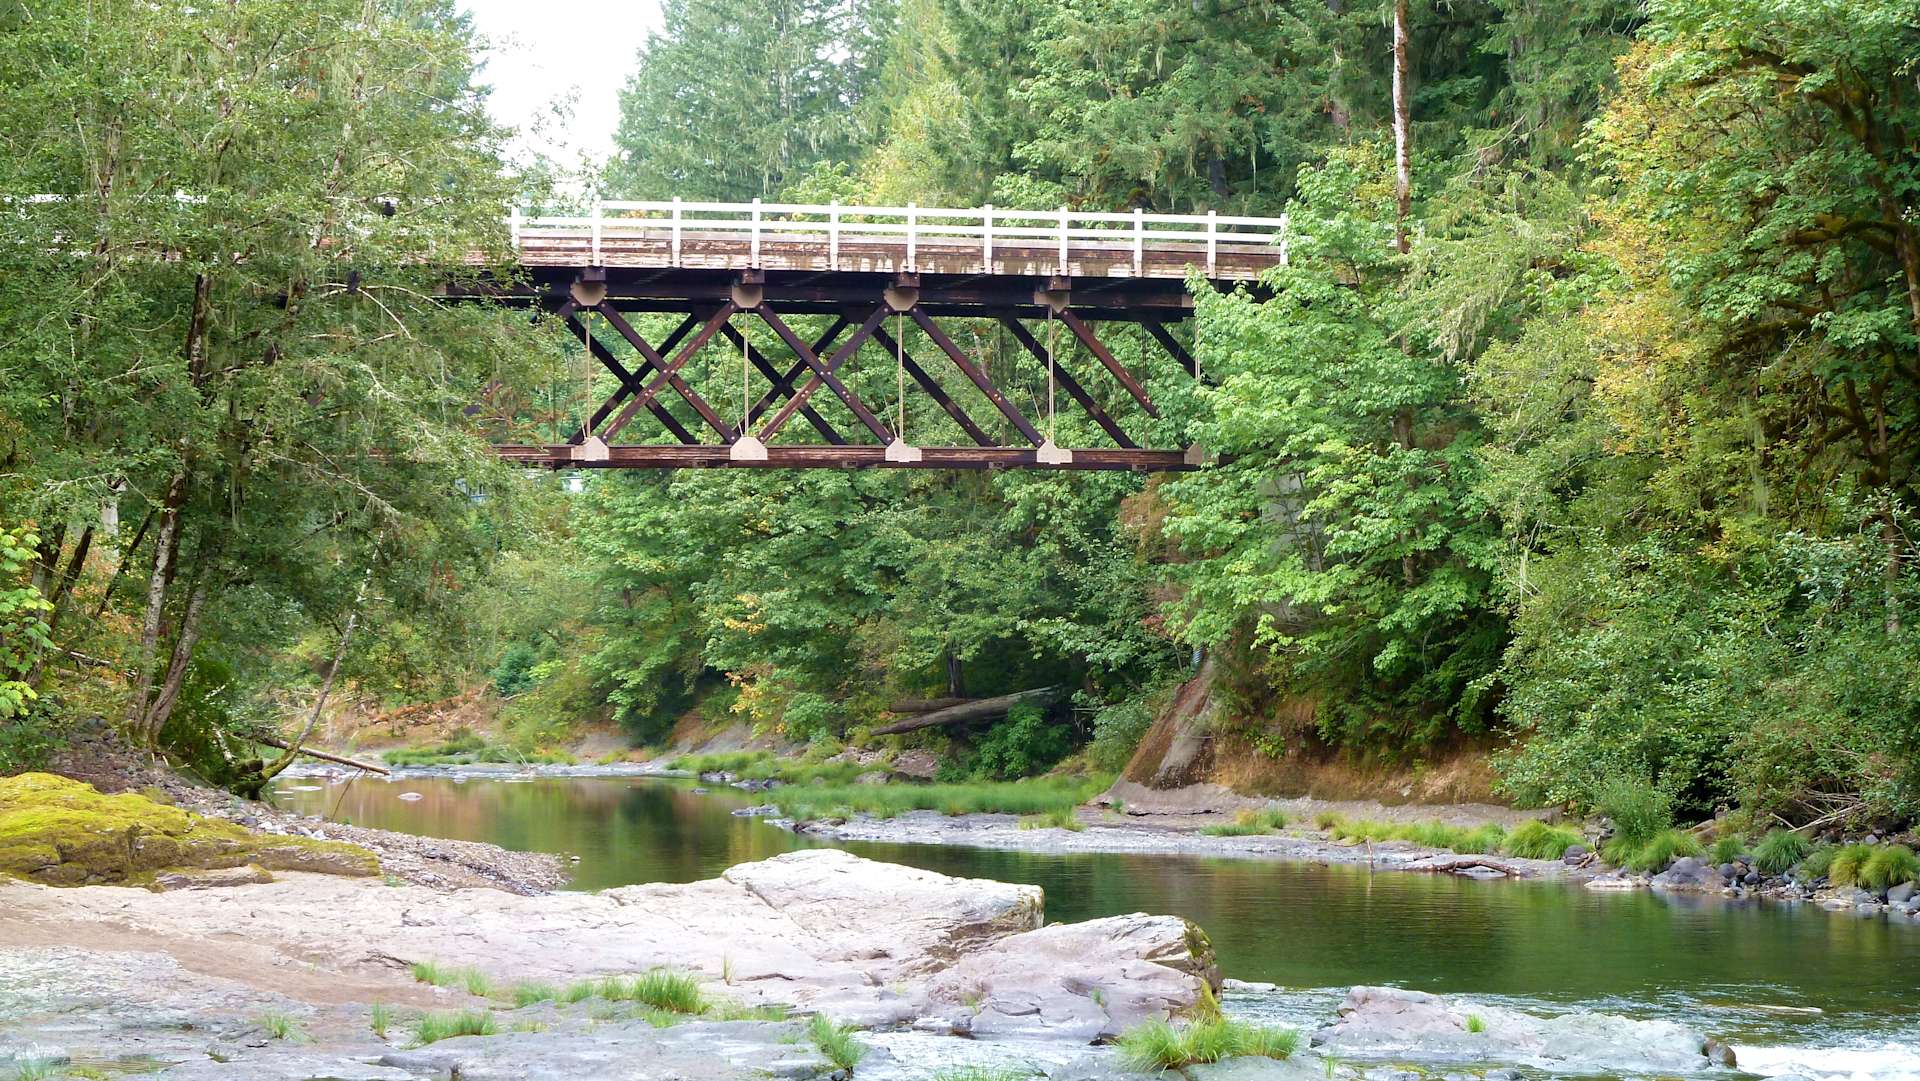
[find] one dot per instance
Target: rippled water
(1736, 969)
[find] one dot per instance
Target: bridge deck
(903, 240)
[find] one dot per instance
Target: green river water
(1723, 966)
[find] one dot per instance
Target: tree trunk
(1337, 110)
(977, 710)
(1402, 136)
(269, 772)
(184, 640)
(165, 546)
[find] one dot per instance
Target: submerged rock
(1387, 1019)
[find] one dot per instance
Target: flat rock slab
(1386, 1020)
(623, 1051)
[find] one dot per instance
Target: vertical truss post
(676, 231)
(833, 236)
(986, 239)
(1063, 241)
(1213, 243)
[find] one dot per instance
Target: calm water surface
(1313, 930)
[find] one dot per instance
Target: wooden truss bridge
(865, 268)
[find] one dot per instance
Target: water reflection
(1295, 925)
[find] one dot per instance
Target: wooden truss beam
(668, 370)
(708, 456)
(629, 382)
(823, 374)
(782, 386)
(1068, 383)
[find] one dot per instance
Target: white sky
(541, 54)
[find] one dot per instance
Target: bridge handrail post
(1286, 237)
(596, 233)
(513, 227)
(754, 260)
(833, 235)
(913, 252)
(1139, 241)
(676, 231)
(1213, 243)
(1063, 241)
(986, 239)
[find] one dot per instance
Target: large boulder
(1084, 981)
(1377, 1020)
(1689, 874)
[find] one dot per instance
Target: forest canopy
(1579, 430)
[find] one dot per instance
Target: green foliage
(1159, 1045)
(280, 1026)
(1535, 840)
(1475, 1023)
(379, 1018)
(764, 766)
(836, 1042)
(1652, 854)
(34, 1069)
(434, 1027)
(1060, 820)
(1818, 863)
(660, 989)
(1488, 837)
(1639, 811)
(514, 672)
(1779, 851)
(23, 635)
(1024, 744)
(1889, 866)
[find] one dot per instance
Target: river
(1742, 970)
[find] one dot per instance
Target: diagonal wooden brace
(1099, 349)
(933, 388)
(629, 383)
(823, 373)
(1068, 383)
(1172, 345)
(799, 366)
(782, 386)
(979, 377)
(659, 382)
(673, 379)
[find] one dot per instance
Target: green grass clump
(33, 1069)
(660, 988)
(434, 1027)
(577, 991)
(526, 994)
(379, 1016)
(763, 766)
(1158, 1045)
(1662, 849)
(280, 1026)
(1889, 866)
(1535, 840)
(1470, 839)
(1848, 863)
(1326, 820)
(1249, 823)
(1640, 812)
(1778, 851)
(1034, 796)
(474, 981)
(986, 1073)
(837, 1042)
(1818, 862)
(1727, 849)
(1059, 820)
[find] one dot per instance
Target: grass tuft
(1818, 862)
(660, 989)
(33, 1069)
(1060, 820)
(1535, 840)
(1475, 1023)
(379, 1017)
(1848, 863)
(434, 1027)
(1727, 849)
(526, 994)
(1034, 796)
(281, 1026)
(1655, 854)
(837, 1042)
(1158, 1045)
(1889, 866)
(474, 981)
(1778, 851)
(1249, 823)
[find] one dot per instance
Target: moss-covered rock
(66, 833)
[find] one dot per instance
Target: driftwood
(977, 709)
(273, 741)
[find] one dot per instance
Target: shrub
(837, 1042)
(526, 994)
(660, 988)
(1778, 851)
(514, 673)
(1662, 849)
(1889, 866)
(1639, 810)
(1118, 729)
(1535, 840)
(1020, 746)
(1727, 849)
(434, 1027)
(1158, 1045)
(379, 1016)
(1848, 863)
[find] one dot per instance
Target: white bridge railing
(915, 228)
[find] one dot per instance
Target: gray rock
(1902, 893)
(621, 1051)
(1729, 870)
(1575, 853)
(1251, 1068)
(1688, 874)
(1388, 1020)
(196, 879)
(1099, 1067)
(280, 1065)
(1247, 985)
(764, 810)
(1751, 878)
(1846, 898)
(1719, 1052)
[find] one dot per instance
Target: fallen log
(975, 710)
(273, 741)
(927, 705)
